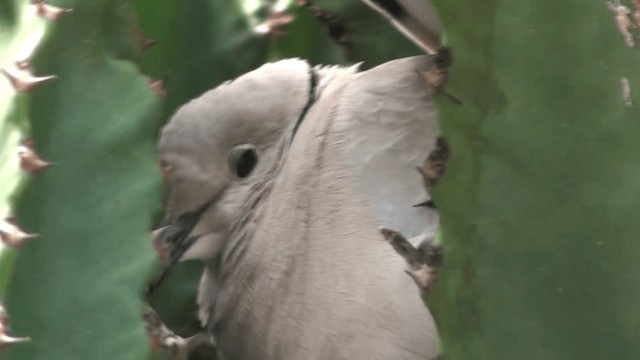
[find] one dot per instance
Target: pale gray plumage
(296, 267)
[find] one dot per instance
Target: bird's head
(219, 147)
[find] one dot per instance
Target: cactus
(24, 30)
(538, 203)
(75, 290)
(23, 26)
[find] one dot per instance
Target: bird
(279, 182)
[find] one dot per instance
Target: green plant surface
(540, 199)
(77, 289)
(21, 30)
(200, 44)
(307, 38)
(373, 39)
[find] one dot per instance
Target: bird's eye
(243, 159)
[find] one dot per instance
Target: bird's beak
(173, 240)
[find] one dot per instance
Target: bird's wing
(389, 126)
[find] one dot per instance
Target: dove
(279, 182)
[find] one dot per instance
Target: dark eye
(242, 160)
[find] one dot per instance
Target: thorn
(30, 161)
(441, 152)
(334, 26)
(155, 329)
(432, 254)
(402, 246)
(272, 26)
(443, 59)
(162, 248)
(23, 80)
(146, 43)
(430, 174)
(427, 203)
(158, 86)
(434, 166)
(48, 11)
(636, 12)
(23, 65)
(423, 262)
(626, 92)
(11, 235)
(425, 277)
(451, 97)
(161, 338)
(437, 77)
(5, 338)
(623, 23)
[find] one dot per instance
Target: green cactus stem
(540, 200)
